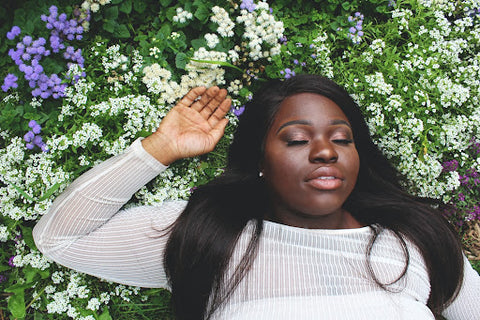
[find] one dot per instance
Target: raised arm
(85, 228)
(193, 127)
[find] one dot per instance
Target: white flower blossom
(182, 15)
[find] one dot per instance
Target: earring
(260, 174)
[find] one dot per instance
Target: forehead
(308, 106)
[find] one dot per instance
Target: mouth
(325, 178)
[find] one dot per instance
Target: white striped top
(297, 274)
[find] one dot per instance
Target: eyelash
(302, 142)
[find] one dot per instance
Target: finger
(213, 104)
(220, 112)
(205, 98)
(219, 129)
(191, 96)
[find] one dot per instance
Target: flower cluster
(248, 5)
(182, 15)
(94, 5)
(262, 31)
(355, 33)
(421, 117)
(33, 138)
(225, 24)
(10, 81)
(29, 53)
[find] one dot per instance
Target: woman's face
(310, 163)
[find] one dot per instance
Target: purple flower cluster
(449, 166)
(248, 5)
(10, 81)
(12, 34)
(470, 179)
(475, 147)
(355, 33)
(287, 73)
(29, 52)
(33, 137)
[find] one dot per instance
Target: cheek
(281, 169)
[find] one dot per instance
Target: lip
(325, 178)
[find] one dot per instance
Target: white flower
(212, 40)
(182, 15)
(225, 24)
(93, 304)
(3, 233)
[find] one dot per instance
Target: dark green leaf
(109, 26)
(27, 236)
(181, 60)
(111, 13)
(165, 3)
(121, 31)
(198, 43)
(202, 14)
(139, 6)
(126, 6)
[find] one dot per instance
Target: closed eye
(296, 142)
(343, 141)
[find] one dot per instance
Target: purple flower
(10, 81)
(28, 137)
(287, 73)
(13, 33)
(461, 197)
(237, 111)
(10, 262)
(2, 278)
(248, 5)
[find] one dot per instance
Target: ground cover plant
(81, 80)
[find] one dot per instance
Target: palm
(194, 127)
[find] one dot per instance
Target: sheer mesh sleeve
(466, 306)
(85, 229)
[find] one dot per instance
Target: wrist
(159, 147)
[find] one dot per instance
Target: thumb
(219, 129)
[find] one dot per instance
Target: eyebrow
(308, 123)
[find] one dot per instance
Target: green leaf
(139, 6)
(30, 273)
(121, 31)
(16, 305)
(23, 193)
(197, 43)
(28, 237)
(50, 191)
(111, 13)
(126, 6)
(181, 60)
(202, 14)
(109, 26)
(105, 315)
(220, 63)
(165, 3)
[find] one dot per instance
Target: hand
(191, 128)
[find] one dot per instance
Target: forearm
(95, 197)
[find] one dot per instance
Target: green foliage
(401, 73)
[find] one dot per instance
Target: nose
(322, 151)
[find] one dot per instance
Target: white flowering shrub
(411, 65)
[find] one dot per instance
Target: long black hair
(203, 238)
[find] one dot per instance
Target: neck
(338, 220)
